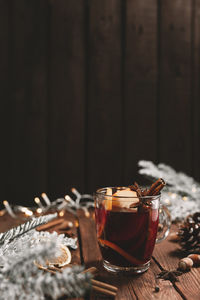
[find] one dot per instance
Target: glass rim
(100, 192)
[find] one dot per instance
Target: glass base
(125, 270)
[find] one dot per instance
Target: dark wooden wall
(90, 87)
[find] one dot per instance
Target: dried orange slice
(64, 258)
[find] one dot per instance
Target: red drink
(127, 236)
(127, 222)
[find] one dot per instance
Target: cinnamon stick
(50, 224)
(65, 225)
(97, 285)
(155, 188)
(104, 291)
(158, 189)
(104, 285)
(123, 253)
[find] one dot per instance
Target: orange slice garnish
(125, 198)
(108, 200)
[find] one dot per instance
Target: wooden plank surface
(175, 84)
(28, 86)
(104, 83)
(89, 244)
(89, 84)
(195, 84)
(140, 120)
(130, 287)
(5, 97)
(189, 282)
(66, 97)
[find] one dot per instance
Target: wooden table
(132, 287)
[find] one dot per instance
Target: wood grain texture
(104, 95)
(175, 85)
(29, 99)
(134, 287)
(66, 97)
(5, 96)
(196, 92)
(89, 244)
(90, 87)
(168, 257)
(144, 286)
(131, 287)
(140, 101)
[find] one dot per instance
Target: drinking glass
(127, 229)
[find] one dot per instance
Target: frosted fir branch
(14, 266)
(181, 194)
(70, 283)
(24, 228)
(150, 170)
(21, 279)
(31, 239)
(176, 181)
(61, 238)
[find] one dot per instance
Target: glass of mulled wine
(127, 228)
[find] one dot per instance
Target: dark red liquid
(132, 231)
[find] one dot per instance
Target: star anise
(169, 275)
(136, 187)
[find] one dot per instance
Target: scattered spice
(157, 288)
(169, 275)
(137, 189)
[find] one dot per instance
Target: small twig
(53, 268)
(45, 269)
(92, 270)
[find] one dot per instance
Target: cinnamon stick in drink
(155, 188)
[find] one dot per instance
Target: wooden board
(5, 96)
(195, 84)
(131, 287)
(88, 88)
(175, 84)
(189, 283)
(66, 97)
(28, 98)
(89, 244)
(104, 136)
(140, 86)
